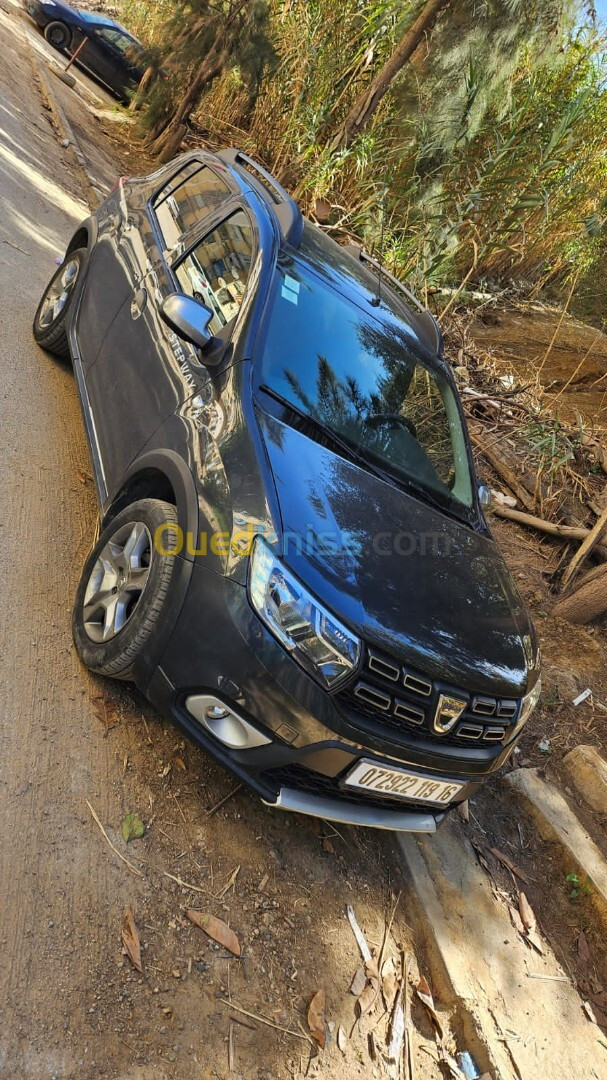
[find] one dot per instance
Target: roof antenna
(376, 301)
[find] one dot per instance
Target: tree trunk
(146, 81)
(168, 141)
(587, 603)
(367, 102)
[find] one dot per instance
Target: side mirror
(484, 496)
(188, 318)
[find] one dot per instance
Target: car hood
(406, 577)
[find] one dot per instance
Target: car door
(98, 54)
(132, 238)
(117, 55)
(144, 371)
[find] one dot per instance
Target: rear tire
(124, 588)
(50, 320)
(58, 35)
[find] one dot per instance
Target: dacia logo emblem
(447, 713)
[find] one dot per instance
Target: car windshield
(360, 375)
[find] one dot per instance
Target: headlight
(528, 704)
(314, 637)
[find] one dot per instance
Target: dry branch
(589, 544)
(563, 532)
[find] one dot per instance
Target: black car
(109, 52)
(293, 560)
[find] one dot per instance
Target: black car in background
(293, 560)
(110, 53)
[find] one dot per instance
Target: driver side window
(216, 271)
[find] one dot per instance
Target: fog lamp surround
(224, 723)
(319, 642)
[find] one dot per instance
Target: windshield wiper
(347, 448)
(405, 483)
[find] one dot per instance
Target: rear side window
(119, 41)
(216, 271)
(186, 200)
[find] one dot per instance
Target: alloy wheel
(58, 293)
(117, 581)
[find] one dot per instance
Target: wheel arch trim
(175, 471)
(87, 231)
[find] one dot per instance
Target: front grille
(327, 787)
(391, 700)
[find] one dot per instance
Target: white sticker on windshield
(288, 295)
(291, 283)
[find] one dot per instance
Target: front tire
(50, 320)
(124, 588)
(58, 35)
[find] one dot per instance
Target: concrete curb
(557, 822)
(65, 128)
(487, 1052)
(519, 1013)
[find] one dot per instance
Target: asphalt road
(56, 895)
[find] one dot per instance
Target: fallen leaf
(180, 763)
(105, 712)
(358, 982)
(390, 986)
(216, 929)
(424, 993)
(388, 967)
(371, 1046)
(507, 861)
(526, 912)
(342, 1040)
(132, 828)
(366, 1000)
(516, 920)
(316, 1018)
(130, 939)
(328, 845)
(582, 949)
(371, 969)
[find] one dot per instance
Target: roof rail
(427, 318)
(288, 214)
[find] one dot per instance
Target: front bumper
(219, 646)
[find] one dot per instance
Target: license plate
(397, 782)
